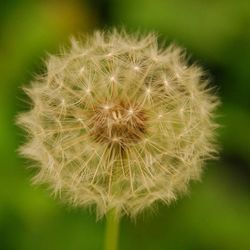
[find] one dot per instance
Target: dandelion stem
(112, 230)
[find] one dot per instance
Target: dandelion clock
(118, 124)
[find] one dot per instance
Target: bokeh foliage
(216, 213)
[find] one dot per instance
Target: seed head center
(119, 123)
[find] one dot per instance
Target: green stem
(112, 230)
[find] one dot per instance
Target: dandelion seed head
(125, 145)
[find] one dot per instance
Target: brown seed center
(118, 123)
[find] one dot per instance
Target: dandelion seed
(112, 79)
(88, 90)
(130, 111)
(166, 83)
(148, 91)
(110, 54)
(115, 150)
(106, 106)
(136, 68)
(81, 70)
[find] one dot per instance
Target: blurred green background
(216, 214)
